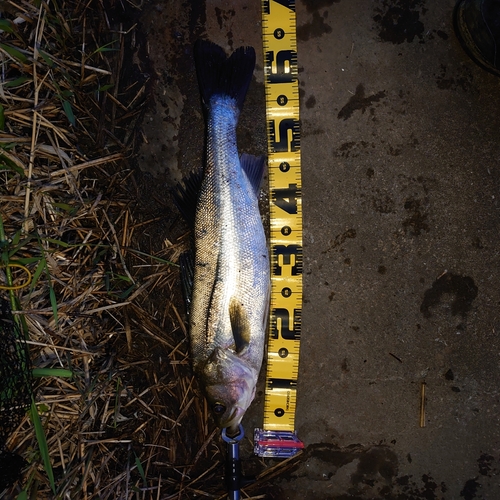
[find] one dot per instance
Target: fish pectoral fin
(240, 325)
(253, 166)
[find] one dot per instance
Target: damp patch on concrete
(416, 222)
(314, 29)
(314, 5)
(359, 102)
(462, 288)
(462, 80)
(340, 239)
(399, 20)
(311, 102)
(366, 472)
(383, 203)
(353, 149)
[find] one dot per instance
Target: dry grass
(130, 422)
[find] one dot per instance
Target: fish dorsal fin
(240, 325)
(253, 166)
(186, 194)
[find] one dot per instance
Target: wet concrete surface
(400, 153)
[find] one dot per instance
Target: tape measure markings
(283, 130)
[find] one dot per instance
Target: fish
(226, 278)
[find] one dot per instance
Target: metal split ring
(234, 439)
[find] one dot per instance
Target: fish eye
(219, 408)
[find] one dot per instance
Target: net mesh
(15, 390)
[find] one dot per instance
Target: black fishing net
(15, 391)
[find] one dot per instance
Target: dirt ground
(400, 154)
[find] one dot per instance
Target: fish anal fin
(240, 324)
(253, 166)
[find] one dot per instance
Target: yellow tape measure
(283, 133)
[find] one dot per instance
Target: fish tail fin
(222, 75)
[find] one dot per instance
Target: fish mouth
(233, 421)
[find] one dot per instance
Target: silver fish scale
(231, 255)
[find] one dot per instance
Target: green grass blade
(22, 496)
(126, 293)
(42, 266)
(38, 271)
(24, 260)
(71, 210)
(105, 48)
(52, 372)
(16, 238)
(24, 242)
(16, 83)
(46, 57)
(58, 242)
(7, 163)
(2, 231)
(14, 53)
(103, 88)
(6, 26)
(53, 302)
(16, 169)
(158, 259)
(42, 444)
(69, 112)
(140, 468)
(121, 277)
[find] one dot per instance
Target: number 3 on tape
(278, 437)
